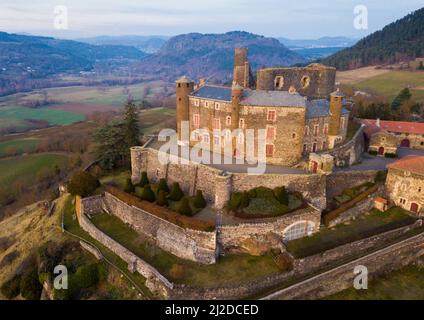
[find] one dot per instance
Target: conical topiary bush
(199, 201)
(176, 193)
(162, 201)
(183, 207)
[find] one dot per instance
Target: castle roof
(394, 126)
(410, 163)
(213, 92)
(272, 99)
(320, 108)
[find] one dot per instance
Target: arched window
(279, 82)
(305, 82)
(298, 230)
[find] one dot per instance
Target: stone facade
(383, 143)
(406, 189)
(315, 81)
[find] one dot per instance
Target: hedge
(161, 212)
(348, 205)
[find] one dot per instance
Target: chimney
(378, 122)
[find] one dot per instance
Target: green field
(154, 120)
(18, 145)
(390, 83)
(18, 117)
(405, 284)
(28, 166)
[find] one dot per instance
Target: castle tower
(242, 73)
(336, 104)
(236, 95)
(184, 87)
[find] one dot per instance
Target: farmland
(18, 146)
(28, 167)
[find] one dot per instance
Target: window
(216, 124)
(298, 230)
(206, 138)
(279, 82)
(196, 120)
(206, 103)
(195, 136)
(324, 145)
(293, 135)
(241, 124)
(216, 106)
(342, 123)
(217, 140)
(402, 201)
(270, 133)
(305, 148)
(419, 189)
(325, 129)
(196, 102)
(240, 138)
(269, 150)
(271, 116)
(316, 129)
(228, 135)
(305, 82)
(228, 121)
(314, 147)
(307, 131)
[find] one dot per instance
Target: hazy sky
(285, 18)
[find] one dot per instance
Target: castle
(298, 108)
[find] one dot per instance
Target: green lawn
(364, 226)
(28, 166)
(231, 269)
(405, 284)
(17, 117)
(18, 145)
(391, 83)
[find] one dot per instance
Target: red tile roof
(380, 199)
(394, 126)
(413, 164)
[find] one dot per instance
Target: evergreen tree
(147, 194)
(176, 192)
(421, 66)
(403, 96)
(199, 200)
(183, 207)
(162, 186)
(131, 125)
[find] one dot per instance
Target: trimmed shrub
(350, 192)
(161, 200)
(147, 194)
(244, 200)
(380, 176)
(284, 262)
(373, 152)
(263, 192)
(162, 186)
(12, 287)
(30, 285)
(83, 184)
(183, 207)
(199, 200)
(144, 179)
(235, 201)
(129, 187)
(252, 193)
(176, 193)
(281, 195)
(390, 155)
(177, 271)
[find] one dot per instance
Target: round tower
(184, 87)
(336, 103)
(236, 96)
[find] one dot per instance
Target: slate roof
(410, 163)
(213, 92)
(320, 108)
(272, 99)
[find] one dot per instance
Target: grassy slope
(389, 84)
(230, 269)
(20, 145)
(405, 284)
(27, 166)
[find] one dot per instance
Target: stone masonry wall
(381, 262)
(184, 243)
(340, 180)
(92, 205)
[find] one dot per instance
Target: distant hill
(148, 44)
(399, 41)
(25, 59)
(212, 55)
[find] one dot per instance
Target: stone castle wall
(321, 80)
(340, 180)
(188, 244)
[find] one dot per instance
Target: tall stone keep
(242, 73)
(184, 87)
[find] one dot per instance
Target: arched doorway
(414, 207)
(314, 166)
(405, 143)
(298, 230)
(381, 151)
